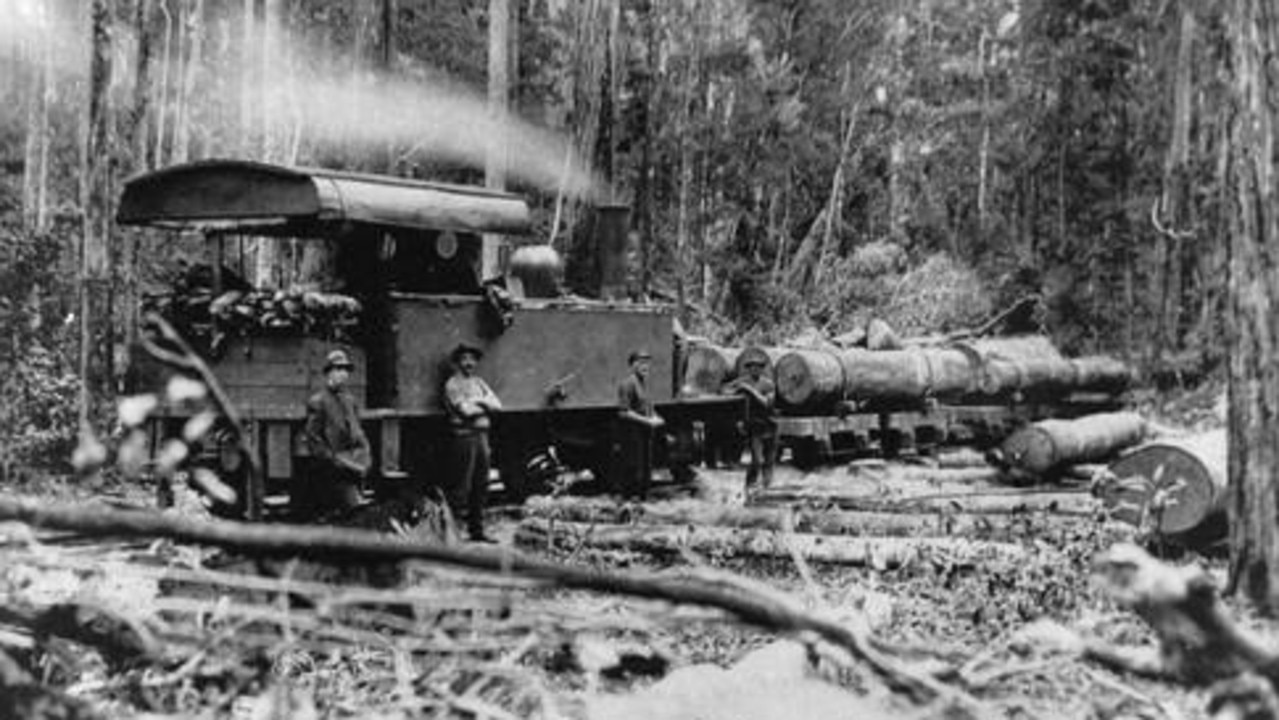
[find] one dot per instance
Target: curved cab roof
(275, 198)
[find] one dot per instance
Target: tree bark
(247, 75)
(499, 95)
(35, 165)
(162, 88)
(96, 321)
(138, 140)
(192, 64)
(1253, 35)
(267, 59)
(665, 540)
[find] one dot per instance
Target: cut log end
(1179, 484)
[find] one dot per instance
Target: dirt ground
(505, 649)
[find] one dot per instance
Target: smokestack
(612, 223)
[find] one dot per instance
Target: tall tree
(1253, 34)
(39, 98)
(499, 94)
(96, 335)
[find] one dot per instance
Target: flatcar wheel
(806, 453)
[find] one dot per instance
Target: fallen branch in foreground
(334, 544)
(980, 501)
(878, 552)
(821, 521)
(1199, 644)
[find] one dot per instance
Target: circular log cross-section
(1180, 481)
(706, 368)
(809, 380)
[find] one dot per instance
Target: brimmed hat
(338, 359)
(465, 349)
(640, 354)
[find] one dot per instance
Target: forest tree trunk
(35, 170)
(138, 142)
(499, 93)
(96, 336)
(1253, 34)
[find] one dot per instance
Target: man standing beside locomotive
(340, 453)
(469, 404)
(636, 427)
(760, 427)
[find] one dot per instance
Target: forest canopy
(789, 165)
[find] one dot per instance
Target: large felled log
(706, 368)
(818, 521)
(1174, 486)
(809, 380)
(1044, 446)
(1101, 373)
(814, 380)
(837, 550)
(1023, 363)
(978, 500)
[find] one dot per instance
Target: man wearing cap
(760, 427)
(470, 405)
(340, 453)
(638, 421)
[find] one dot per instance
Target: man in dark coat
(470, 405)
(340, 453)
(760, 425)
(637, 424)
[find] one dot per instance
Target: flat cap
(338, 359)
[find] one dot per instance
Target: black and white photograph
(639, 359)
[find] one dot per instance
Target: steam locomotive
(291, 263)
(294, 262)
